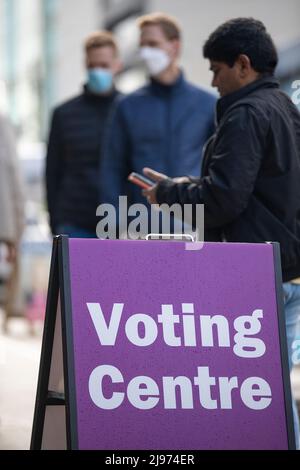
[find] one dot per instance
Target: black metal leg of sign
(68, 347)
(283, 348)
(46, 353)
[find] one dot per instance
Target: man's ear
(176, 45)
(118, 66)
(244, 65)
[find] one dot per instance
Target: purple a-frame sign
(164, 348)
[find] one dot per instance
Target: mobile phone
(140, 180)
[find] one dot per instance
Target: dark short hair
(242, 36)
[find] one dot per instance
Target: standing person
(163, 124)
(11, 214)
(75, 142)
(251, 169)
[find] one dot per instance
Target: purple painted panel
(224, 279)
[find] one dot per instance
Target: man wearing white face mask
(75, 142)
(164, 124)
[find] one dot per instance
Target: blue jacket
(160, 126)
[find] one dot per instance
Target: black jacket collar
(224, 103)
(99, 98)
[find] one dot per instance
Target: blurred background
(42, 65)
(41, 57)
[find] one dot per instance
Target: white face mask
(156, 59)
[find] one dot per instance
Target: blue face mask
(99, 80)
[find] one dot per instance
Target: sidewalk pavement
(19, 364)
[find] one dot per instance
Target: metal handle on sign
(188, 236)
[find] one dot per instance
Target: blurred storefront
(288, 71)
(41, 57)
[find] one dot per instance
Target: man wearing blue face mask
(164, 124)
(75, 142)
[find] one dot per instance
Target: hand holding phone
(141, 180)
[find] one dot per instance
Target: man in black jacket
(250, 184)
(75, 143)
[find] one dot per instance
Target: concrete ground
(19, 363)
